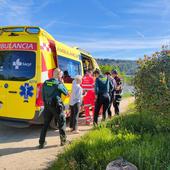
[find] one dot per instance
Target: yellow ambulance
(28, 56)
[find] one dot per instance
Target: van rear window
(17, 65)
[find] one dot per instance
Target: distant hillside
(129, 67)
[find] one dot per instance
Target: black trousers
(109, 108)
(49, 112)
(102, 99)
(116, 103)
(75, 109)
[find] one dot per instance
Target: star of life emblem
(26, 91)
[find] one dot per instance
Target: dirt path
(18, 147)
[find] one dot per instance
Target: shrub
(152, 84)
(140, 123)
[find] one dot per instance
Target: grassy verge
(142, 139)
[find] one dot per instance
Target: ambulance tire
(54, 124)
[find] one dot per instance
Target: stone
(121, 164)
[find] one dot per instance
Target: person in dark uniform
(102, 90)
(112, 84)
(53, 106)
(117, 91)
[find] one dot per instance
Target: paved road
(18, 147)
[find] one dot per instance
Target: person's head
(114, 73)
(97, 73)
(57, 73)
(66, 73)
(78, 79)
(108, 74)
(89, 71)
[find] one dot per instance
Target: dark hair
(107, 73)
(66, 73)
(97, 71)
(114, 72)
(90, 70)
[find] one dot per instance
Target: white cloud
(157, 8)
(20, 12)
(50, 24)
(112, 26)
(104, 9)
(44, 3)
(15, 13)
(140, 34)
(77, 25)
(97, 45)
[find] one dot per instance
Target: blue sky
(117, 29)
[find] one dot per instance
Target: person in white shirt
(75, 102)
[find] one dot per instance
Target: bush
(140, 139)
(152, 84)
(140, 123)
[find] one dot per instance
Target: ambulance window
(17, 65)
(70, 68)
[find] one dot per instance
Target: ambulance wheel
(54, 124)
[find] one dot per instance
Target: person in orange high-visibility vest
(88, 100)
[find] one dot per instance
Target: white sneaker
(76, 131)
(70, 130)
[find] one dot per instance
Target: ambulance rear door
(18, 84)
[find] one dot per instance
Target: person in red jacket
(88, 100)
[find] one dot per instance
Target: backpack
(49, 91)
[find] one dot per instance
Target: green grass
(142, 139)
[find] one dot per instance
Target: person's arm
(119, 84)
(84, 93)
(114, 83)
(111, 86)
(63, 89)
(96, 87)
(43, 95)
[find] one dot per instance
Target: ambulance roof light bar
(30, 30)
(13, 29)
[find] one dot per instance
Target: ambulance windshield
(17, 65)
